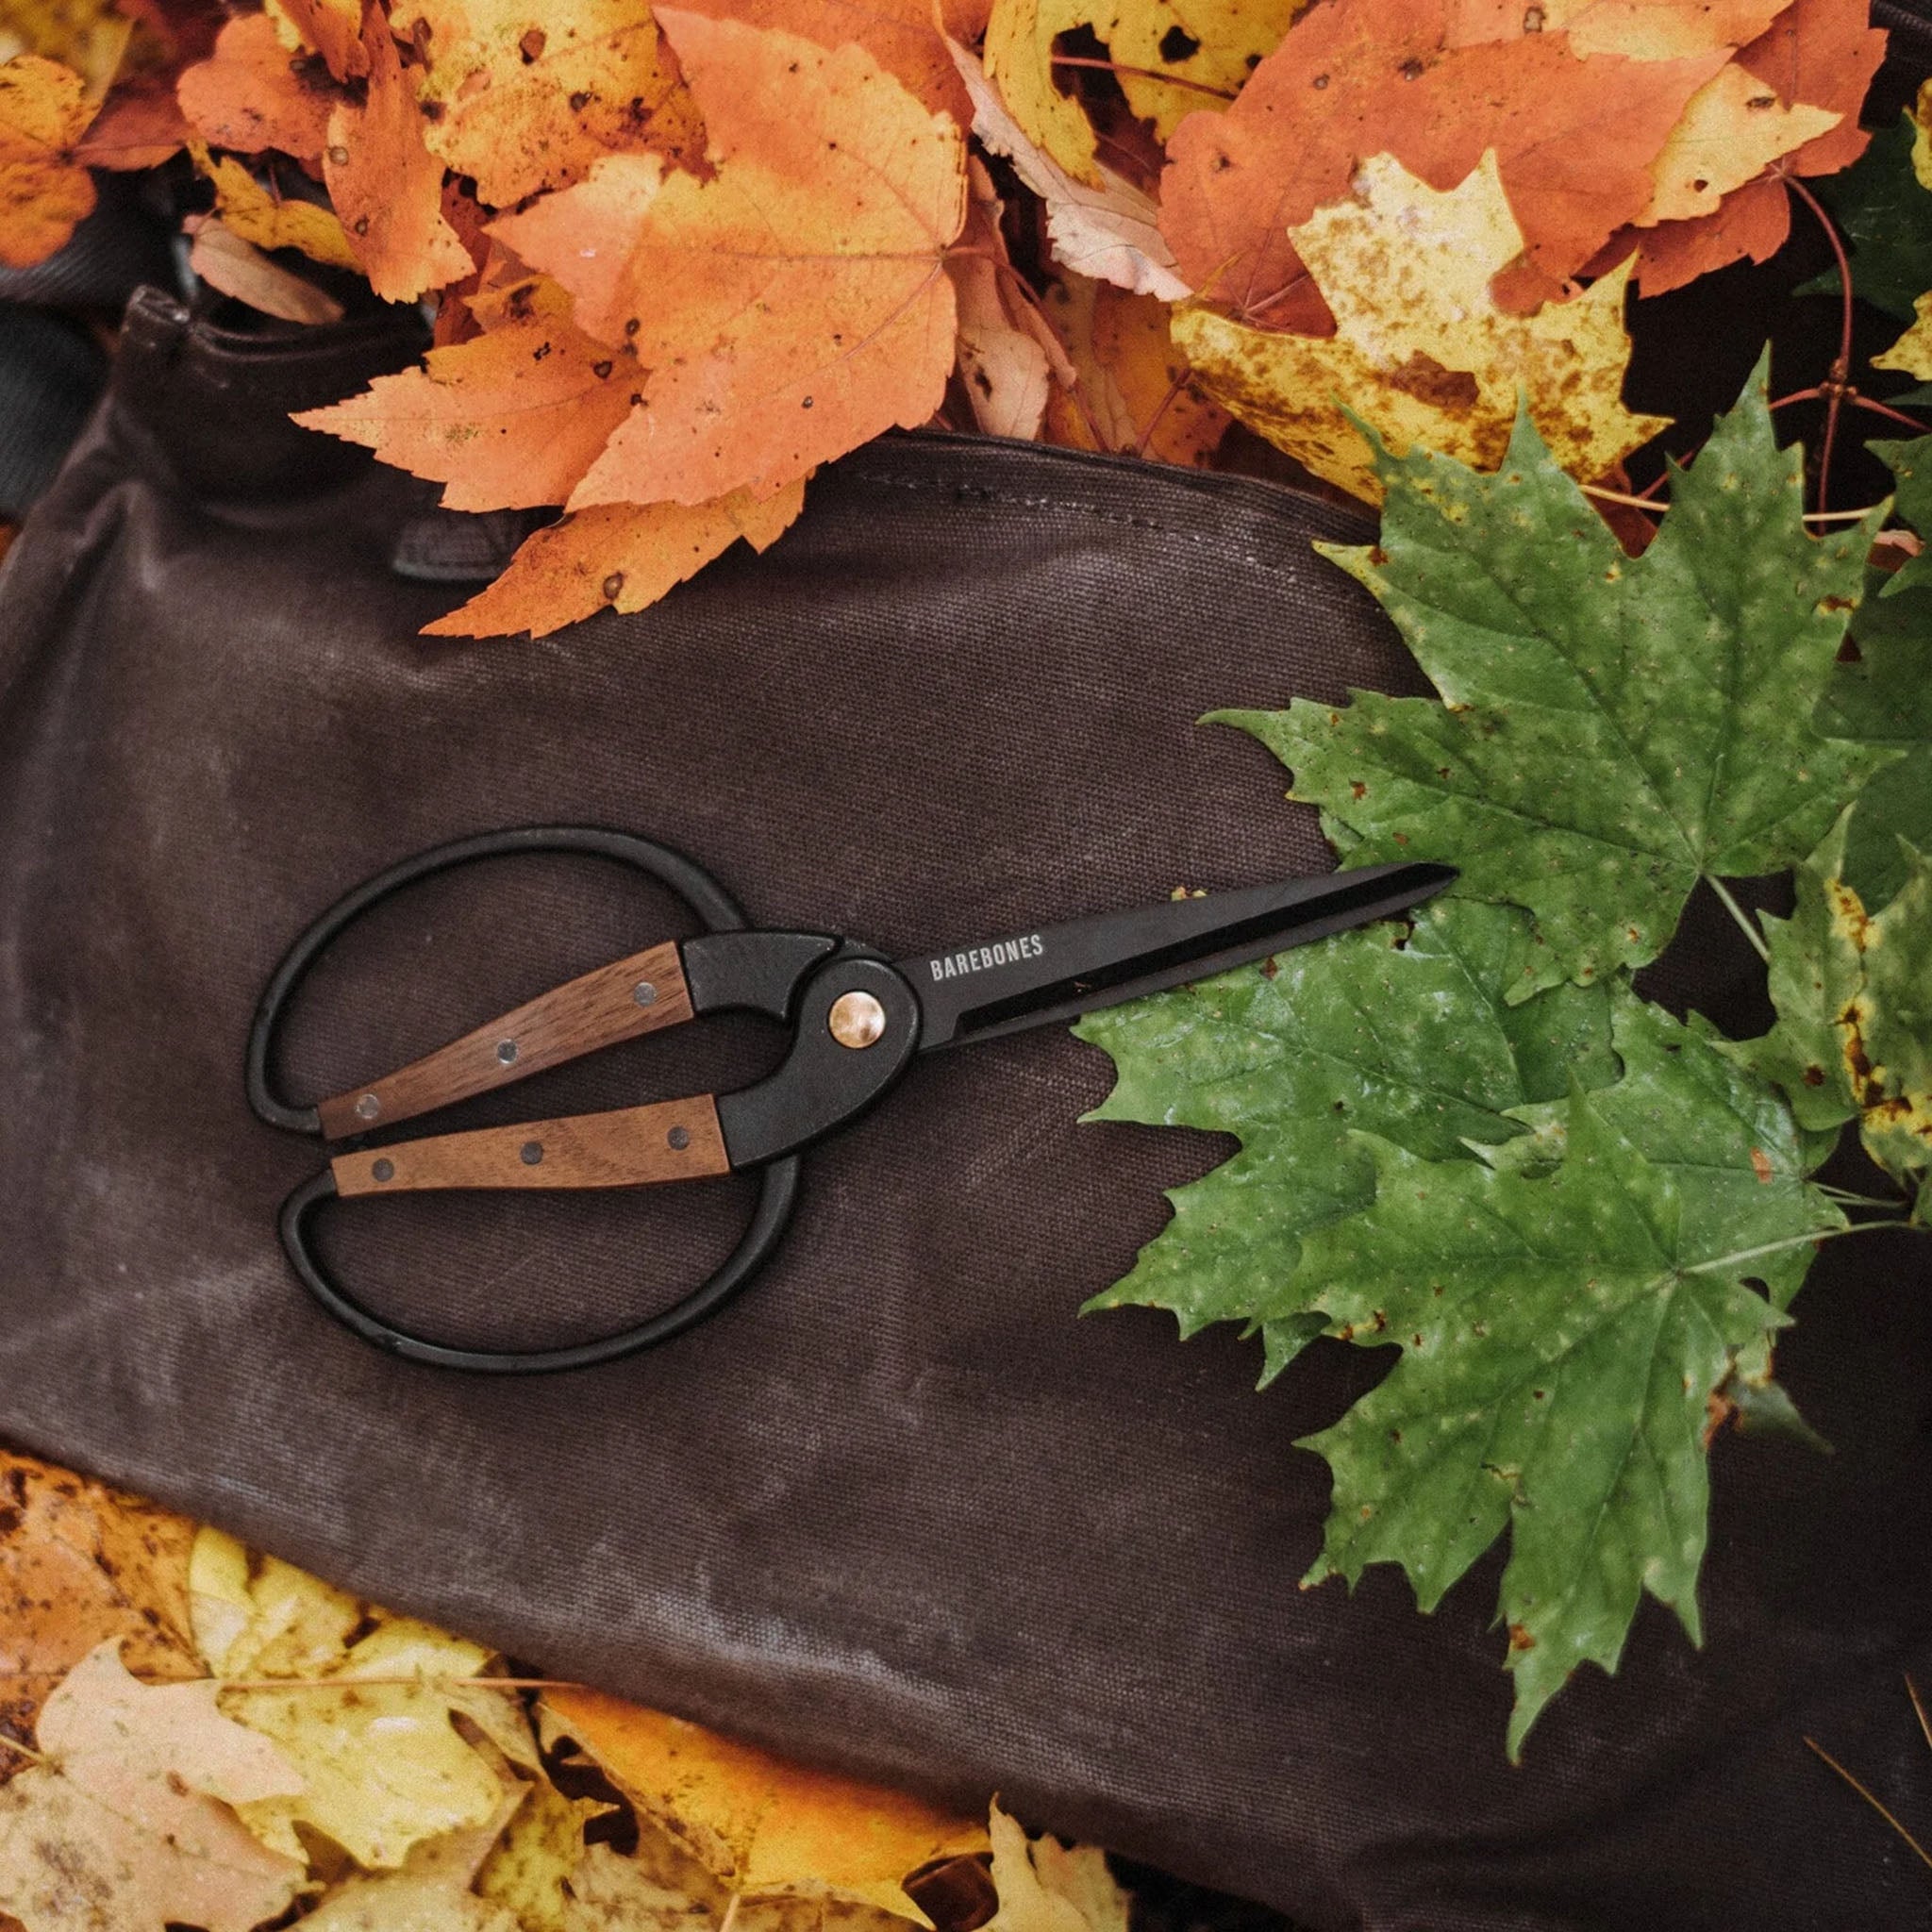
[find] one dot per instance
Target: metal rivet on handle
(679, 1138)
(507, 1052)
(384, 1170)
(856, 1019)
(531, 1152)
(368, 1108)
(644, 993)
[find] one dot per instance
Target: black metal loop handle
(777, 1180)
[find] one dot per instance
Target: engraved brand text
(1001, 953)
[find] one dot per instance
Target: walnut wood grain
(667, 1141)
(597, 1009)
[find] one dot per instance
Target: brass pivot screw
(856, 1019)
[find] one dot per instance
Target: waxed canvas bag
(897, 1510)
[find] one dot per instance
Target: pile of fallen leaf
(682, 256)
(192, 1734)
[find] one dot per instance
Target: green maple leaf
(1409, 1037)
(1883, 695)
(1909, 460)
(1614, 729)
(1562, 1333)
(1854, 996)
(1887, 216)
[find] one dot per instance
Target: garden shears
(857, 1023)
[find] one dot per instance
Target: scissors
(857, 1021)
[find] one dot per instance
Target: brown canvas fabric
(897, 1509)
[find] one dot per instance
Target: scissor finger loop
(723, 968)
(857, 1019)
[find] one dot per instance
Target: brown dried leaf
(234, 267)
(81, 1563)
(1002, 360)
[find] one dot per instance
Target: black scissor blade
(1056, 973)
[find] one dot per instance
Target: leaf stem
(1811, 516)
(1790, 1241)
(1199, 87)
(24, 1750)
(1850, 1200)
(1747, 924)
(1917, 1705)
(1834, 387)
(1878, 408)
(420, 1683)
(1923, 1855)
(1160, 410)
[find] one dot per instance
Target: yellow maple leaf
(88, 36)
(1732, 129)
(790, 308)
(44, 192)
(1208, 47)
(763, 1828)
(524, 94)
(248, 210)
(383, 1767)
(1912, 352)
(535, 1869)
(1044, 1886)
(1420, 352)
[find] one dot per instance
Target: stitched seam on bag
(979, 492)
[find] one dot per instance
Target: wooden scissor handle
(626, 1147)
(638, 994)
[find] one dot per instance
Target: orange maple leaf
(253, 94)
(616, 557)
(1821, 53)
(336, 30)
(43, 189)
(791, 307)
(1136, 393)
(511, 417)
(901, 35)
(1573, 139)
(386, 184)
(140, 125)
